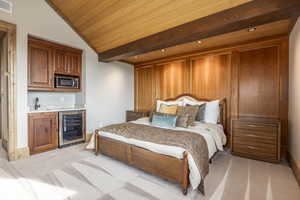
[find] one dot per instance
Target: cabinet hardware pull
(251, 147)
(252, 125)
(251, 135)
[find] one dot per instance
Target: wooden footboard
(166, 167)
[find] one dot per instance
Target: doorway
(8, 131)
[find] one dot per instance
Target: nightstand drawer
(256, 138)
(256, 145)
(260, 153)
(261, 135)
(255, 127)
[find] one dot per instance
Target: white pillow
(169, 103)
(212, 112)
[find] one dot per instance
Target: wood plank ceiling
(107, 24)
(119, 29)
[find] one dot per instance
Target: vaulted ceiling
(106, 24)
(118, 29)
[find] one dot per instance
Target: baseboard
(295, 167)
(4, 144)
(21, 153)
(88, 137)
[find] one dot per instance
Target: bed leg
(185, 178)
(201, 187)
(97, 143)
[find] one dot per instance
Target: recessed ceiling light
(163, 50)
(251, 29)
(199, 41)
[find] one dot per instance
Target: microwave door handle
(73, 84)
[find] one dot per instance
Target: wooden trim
(295, 167)
(254, 13)
(66, 19)
(10, 29)
(292, 24)
(46, 42)
(22, 153)
(54, 89)
(219, 50)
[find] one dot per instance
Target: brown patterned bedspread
(194, 143)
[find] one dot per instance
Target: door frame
(11, 31)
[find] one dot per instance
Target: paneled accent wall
(210, 78)
(253, 77)
(145, 88)
(172, 79)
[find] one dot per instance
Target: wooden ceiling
(120, 29)
(106, 24)
(264, 31)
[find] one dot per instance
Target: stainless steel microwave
(67, 82)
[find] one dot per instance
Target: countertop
(56, 110)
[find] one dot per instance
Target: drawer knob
(251, 147)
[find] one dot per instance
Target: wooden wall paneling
(211, 78)
(171, 79)
(234, 108)
(284, 94)
(254, 83)
(259, 82)
(144, 88)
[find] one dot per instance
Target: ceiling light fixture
(163, 50)
(199, 41)
(251, 29)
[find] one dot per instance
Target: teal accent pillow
(166, 121)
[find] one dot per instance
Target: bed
(173, 163)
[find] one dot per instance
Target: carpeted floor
(75, 174)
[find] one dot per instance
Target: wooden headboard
(223, 110)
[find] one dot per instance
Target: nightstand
(134, 115)
(256, 138)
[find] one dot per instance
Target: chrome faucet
(36, 103)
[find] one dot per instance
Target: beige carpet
(76, 174)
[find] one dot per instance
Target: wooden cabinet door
(59, 62)
(40, 68)
(259, 84)
(73, 64)
(67, 63)
(171, 79)
(144, 88)
(43, 132)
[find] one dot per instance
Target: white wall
(109, 87)
(294, 93)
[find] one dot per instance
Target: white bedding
(212, 133)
